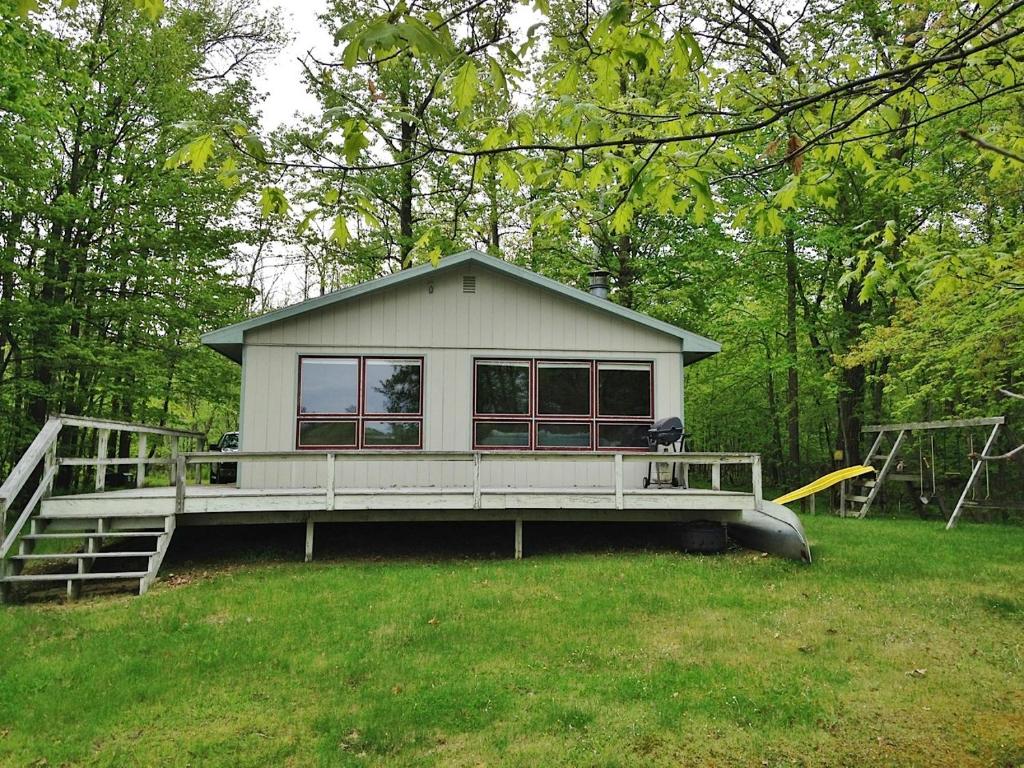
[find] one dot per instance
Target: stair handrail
(43, 446)
(15, 481)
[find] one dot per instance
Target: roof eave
(229, 340)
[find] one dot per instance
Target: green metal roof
(229, 340)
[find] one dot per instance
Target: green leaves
(465, 86)
(195, 154)
(355, 140)
(273, 202)
(786, 196)
(384, 37)
(339, 232)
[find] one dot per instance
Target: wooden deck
(217, 505)
(90, 523)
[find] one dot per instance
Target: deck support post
(102, 441)
(309, 539)
(140, 472)
(519, 540)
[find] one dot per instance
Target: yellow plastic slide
(824, 482)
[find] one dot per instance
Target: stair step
(30, 577)
(93, 535)
(80, 555)
(858, 499)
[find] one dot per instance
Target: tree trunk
(792, 373)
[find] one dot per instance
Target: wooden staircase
(90, 550)
(42, 550)
(858, 494)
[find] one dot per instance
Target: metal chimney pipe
(599, 283)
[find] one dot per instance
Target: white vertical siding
(448, 328)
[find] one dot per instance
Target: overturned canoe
(775, 529)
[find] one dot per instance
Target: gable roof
(228, 340)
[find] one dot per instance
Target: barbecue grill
(665, 435)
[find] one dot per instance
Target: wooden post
(476, 480)
(519, 539)
(49, 463)
(102, 443)
(140, 473)
(175, 450)
(309, 539)
(618, 481)
(842, 499)
(813, 510)
(975, 471)
(179, 485)
(329, 505)
(716, 477)
(755, 477)
(685, 472)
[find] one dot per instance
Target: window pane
(325, 434)
(503, 388)
(624, 390)
(392, 386)
(503, 434)
(563, 389)
(563, 435)
(329, 385)
(622, 435)
(391, 433)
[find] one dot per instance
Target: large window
(360, 402)
(561, 404)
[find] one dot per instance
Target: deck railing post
(175, 450)
(102, 444)
(330, 482)
(755, 478)
(49, 463)
(180, 477)
(716, 476)
(476, 479)
(618, 481)
(140, 473)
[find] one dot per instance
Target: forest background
(831, 189)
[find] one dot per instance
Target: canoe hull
(775, 529)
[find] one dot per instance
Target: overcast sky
(285, 95)
(282, 78)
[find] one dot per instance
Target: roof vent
(469, 283)
(599, 283)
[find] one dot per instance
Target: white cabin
(473, 354)
(471, 390)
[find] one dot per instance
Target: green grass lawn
(624, 657)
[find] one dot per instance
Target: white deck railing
(614, 461)
(44, 449)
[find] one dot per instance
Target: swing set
(929, 484)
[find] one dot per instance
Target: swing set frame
(888, 459)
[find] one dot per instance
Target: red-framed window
(350, 402)
(562, 405)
